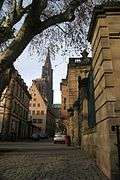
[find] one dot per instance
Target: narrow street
(45, 161)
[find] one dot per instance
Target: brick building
(14, 107)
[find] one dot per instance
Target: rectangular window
(42, 112)
(14, 107)
(34, 120)
(34, 99)
(64, 100)
(38, 112)
(38, 104)
(64, 103)
(33, 112)
(64, 107)
(34, 105)
(40, 120)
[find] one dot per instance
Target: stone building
(104, 35)
(78, 68)
(42, 98)
(64, 103)
(14, 107)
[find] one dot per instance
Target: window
(34, 99)
(64, 100)
(64, 103)
(34, 94)
(34, 105)
(34, 120)
(40, 120)
(14, 107)
(38, 112)
(64, 107)
(23, 96)
(33, 112)
(21, 93)
(38, 104)
(42, 112)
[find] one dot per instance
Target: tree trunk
(9, 56)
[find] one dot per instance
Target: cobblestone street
(47, 162)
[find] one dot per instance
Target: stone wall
(105, 40)
(88, 142)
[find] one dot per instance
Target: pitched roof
(38, 83)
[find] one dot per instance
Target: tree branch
(1, 3)
(37, 8)
(67, 15)
(20, 3)
(6, 31)
(29, 29)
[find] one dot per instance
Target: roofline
(101, 11)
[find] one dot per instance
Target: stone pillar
(104, 35)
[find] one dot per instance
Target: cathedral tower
(47, 78)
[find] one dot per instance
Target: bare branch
(20, 3)
(1, 4)
(6, 31)
(37, 8)
(67, 15)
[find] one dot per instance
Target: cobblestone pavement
(52, 162)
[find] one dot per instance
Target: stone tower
(47, 78)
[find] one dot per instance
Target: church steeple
(47, 66)
(47, 77)
(47, 61)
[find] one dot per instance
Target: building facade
(94, 109)
(64, 103)
(38, 108)
(78, 68)
(105, 40)
(14, 107)
(42, 98)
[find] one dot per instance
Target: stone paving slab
(59, 163)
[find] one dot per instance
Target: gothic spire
(47, 61)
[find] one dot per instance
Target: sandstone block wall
(105, 42)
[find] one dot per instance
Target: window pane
(34, 120)
(38, 112)
(33, 112)
(38, 104)
(34, 104)
(42, 112)
(40, 120)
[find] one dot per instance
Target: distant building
(64, 101)
(38, 107)
(42, 98)
(14, 107)
(78, 68)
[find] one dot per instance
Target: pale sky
(29, 67)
